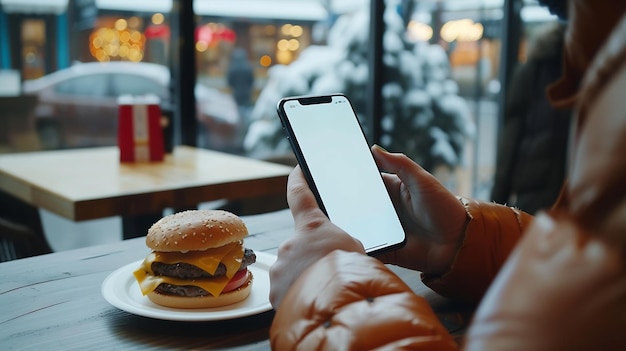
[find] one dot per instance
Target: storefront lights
(291, 30)
(296, 31)
(282, 45)
(461, 30)
(284, 57)
(293, 45)
(288, 45)
(119, 42)
(418, 31)
(158, 18)
(265, 61)
(121, 24)
(201, 46)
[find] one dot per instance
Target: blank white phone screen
(344, 171)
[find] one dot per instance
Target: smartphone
(333, 152)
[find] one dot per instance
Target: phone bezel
(317, 99)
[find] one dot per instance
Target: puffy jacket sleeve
(491, 234)
(349, 301)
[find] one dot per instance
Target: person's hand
(433, 218)
(315, 237)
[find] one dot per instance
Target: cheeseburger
(198, 260)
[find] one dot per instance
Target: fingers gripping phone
(329, 144)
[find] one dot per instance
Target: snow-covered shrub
(423, 116)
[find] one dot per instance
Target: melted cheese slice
(230, 255)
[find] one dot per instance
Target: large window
(440, 70)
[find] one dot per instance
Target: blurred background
(427, 77)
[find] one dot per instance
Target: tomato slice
(237, 280)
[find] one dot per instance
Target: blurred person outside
(556, 281)
(241, 82)
(532, 147)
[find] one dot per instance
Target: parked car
(77, 106)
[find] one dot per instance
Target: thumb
(412, 175)
(300, 198)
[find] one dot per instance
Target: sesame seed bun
(195, 230)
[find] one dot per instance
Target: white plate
(121, 290)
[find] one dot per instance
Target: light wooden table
(81, 184)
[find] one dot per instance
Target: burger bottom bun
(224, 299)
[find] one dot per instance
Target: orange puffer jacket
(562, 286)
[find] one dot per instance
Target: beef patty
(188, 271)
